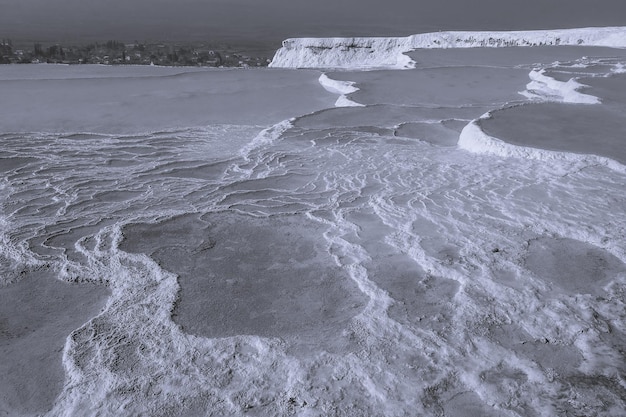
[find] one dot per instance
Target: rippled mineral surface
(219, 242)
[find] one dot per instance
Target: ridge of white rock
(474, 139)
(389, 52)
(343, 88)
(546, 88)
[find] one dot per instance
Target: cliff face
(343, 53)
(367, 53)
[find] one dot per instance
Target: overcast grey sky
(274, 20)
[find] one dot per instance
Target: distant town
(114, 52)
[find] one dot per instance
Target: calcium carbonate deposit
(447, 240)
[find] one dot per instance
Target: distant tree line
(113, 52)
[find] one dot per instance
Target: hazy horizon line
(238, 40)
